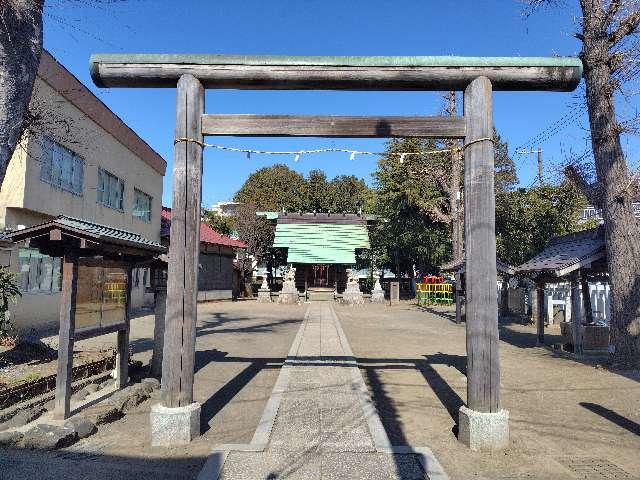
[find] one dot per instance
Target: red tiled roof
(207, 234)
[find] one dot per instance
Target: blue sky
(74, 29)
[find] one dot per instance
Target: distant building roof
(459, 266)
(567, 253)
(207, 234)
(318, 217)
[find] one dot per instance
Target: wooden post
(62, 407)
(534, 304)
(576, 314)
(586, 300)
(540, 313)
(158, 331)
(184, 250)
(567, 305)
(549, 303)
(483, 358)
(122, 357)
(458, 299)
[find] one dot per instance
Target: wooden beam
(62, 405)
(483, 358)
(184, 250)
(89, 332)
(336, 73)
(332, 126)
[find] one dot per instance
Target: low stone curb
(53, 436)
(46, 400)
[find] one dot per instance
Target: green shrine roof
(321, 242)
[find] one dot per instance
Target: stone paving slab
(319, 422)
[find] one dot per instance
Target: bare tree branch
(627, 26)
(437, 214)
(614, 6)
(591, 191)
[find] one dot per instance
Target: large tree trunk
(20, 48)
(622, 229)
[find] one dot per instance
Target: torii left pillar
(176, 420)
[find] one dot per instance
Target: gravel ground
(238, 352)
(566, 417)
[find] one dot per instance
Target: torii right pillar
(483, 425)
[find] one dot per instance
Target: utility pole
(455, 204)
(540, 166)
(538, 152)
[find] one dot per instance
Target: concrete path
(319, 422)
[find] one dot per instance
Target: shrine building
(321, 247)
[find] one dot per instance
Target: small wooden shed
(577, 258)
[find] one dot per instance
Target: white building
(82, 161)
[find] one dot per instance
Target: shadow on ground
(65, 464)
(613, 417)
(384, 403)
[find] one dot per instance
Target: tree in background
(278, 187)
(317, 195)
(20, 49)
(610, 59)
(220, 223)
(348, 194)
(257, 233)
(527, 218)
(428, 186)
(408, 234)
(506, 177)
(273, 189)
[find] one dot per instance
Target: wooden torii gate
(478, 77)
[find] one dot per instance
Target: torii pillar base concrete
(483, 431)
(174, 426)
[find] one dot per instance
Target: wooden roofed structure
(96, 287)
(577, 258)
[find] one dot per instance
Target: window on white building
(61, 167)
(141, 205)
(38, 273)
(110, 190)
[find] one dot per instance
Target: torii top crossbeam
(336, 73)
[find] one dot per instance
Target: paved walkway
(319, 422)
